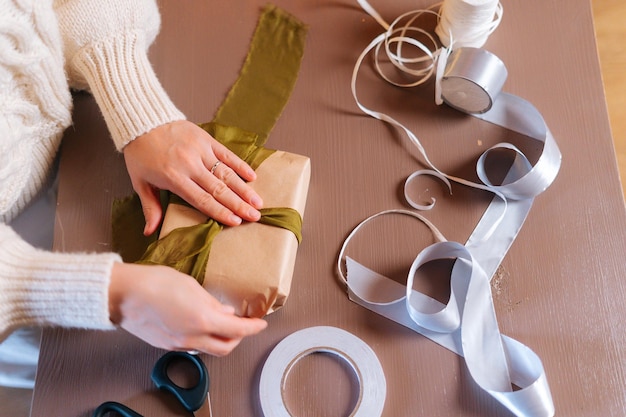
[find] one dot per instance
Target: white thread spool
(468, 22)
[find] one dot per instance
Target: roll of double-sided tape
(324, 339)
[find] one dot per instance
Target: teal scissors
(195, 399)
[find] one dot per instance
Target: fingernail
(235, 219)
(254, 214)
(256, 201)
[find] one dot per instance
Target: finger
(234, 327)
(218, 198)
(231, 159)
(151, 207)
(228, 309)
(220, 346)
(229, 177)
(230, 325)
(225, 164)
(232, 330)
(203, 200)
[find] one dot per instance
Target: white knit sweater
(46, 47)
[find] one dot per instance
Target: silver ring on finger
(214, 167)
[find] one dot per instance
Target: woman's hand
(184, 159)
(170, 310)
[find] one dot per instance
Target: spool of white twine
(468, 22)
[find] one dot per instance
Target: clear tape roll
(325, 339)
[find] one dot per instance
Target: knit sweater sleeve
(41, 288)
(105, 48)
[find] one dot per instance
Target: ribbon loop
(466, 325)
(423, 310)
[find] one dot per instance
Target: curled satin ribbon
(466, 325)
(470, 80)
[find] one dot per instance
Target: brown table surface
(560, 290)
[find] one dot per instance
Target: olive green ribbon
(284, 217)
(187, 249)
(241, 142)
(242, 124)
(268, 75)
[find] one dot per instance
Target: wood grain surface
(610, 24)
(560, 290)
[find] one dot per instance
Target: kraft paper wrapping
(250, 266)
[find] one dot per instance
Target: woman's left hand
(184, 159)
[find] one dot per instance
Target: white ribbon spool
(325, 339)
(468, 22)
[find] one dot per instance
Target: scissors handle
(112, 406)
(192, 398)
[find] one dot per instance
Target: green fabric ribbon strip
(187, 248)
(242, 124)
(268, 75)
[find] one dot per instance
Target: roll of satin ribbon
(473, 79)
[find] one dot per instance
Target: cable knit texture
(46, 48)
(35, 101)
(114, 65)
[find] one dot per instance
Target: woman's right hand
(170, 310)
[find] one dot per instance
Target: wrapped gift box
(250, 266)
